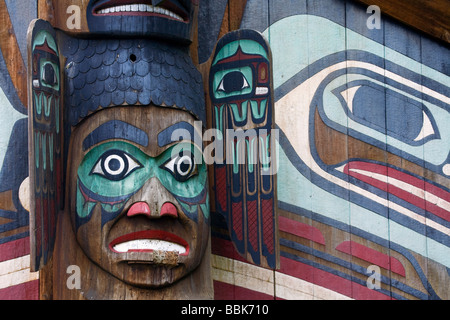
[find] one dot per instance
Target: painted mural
(363, 181)
(240, 84)
(363, 153)
(16, 280)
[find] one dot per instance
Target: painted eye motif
(182, 167)
(388, 112)
(234, 81)
(49, 76)
(115, 165)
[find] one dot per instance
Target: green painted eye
(49, 75)
(182, 166)
(114, 169)
(115, 165)
(233, 82)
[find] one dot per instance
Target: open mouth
(150, 241)
(120, 7)
(416, 191)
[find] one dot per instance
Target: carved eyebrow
(116, 129)
(186, 132)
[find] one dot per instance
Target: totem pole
(240, 88)
(120, 204)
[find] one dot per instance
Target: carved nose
(168, 209)
(142, 208)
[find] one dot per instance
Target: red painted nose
(169, 209)
(142, 208)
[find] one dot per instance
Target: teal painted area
(56, 68)
(258, 114)
(38, 102)
(219, 76)
(239, 111)
(91, 175)
(9, 117)
(37, 139)
(42, 37)
(296, 43)
(294, 50)
(44, 151)
(218, 113)
(84, 208)
(247, 46)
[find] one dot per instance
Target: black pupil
(49, 74)
(185, 166)
(233, 81)
(114, 165)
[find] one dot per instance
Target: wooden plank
(232, 18)
(11, 53)
(431, 17)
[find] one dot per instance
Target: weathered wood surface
(11, 53)
(336, 223)
(86, 242)
(431, 17)
(321, 257)
(16, 280)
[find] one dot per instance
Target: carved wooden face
(138, 198)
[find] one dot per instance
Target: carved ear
(241, 95)
(45, 140)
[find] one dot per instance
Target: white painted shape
(349, 96)
(446, 169)
(24, 194)
(150, 244)
(16, 271)
(427, 128)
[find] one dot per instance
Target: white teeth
(261, 91)
(149, 244)
(140, 8)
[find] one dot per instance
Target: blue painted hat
(104, 73)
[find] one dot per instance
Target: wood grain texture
(431, 17)
(85, 243)
(11, 52)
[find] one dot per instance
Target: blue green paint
(246, 72)
(247, 46)
(100, 187)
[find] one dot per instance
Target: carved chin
(153, 276)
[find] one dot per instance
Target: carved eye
(233, 82)
(48, 76)
(115, 165)
(182, 167)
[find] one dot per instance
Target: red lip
(151, 235)
(405, 186)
